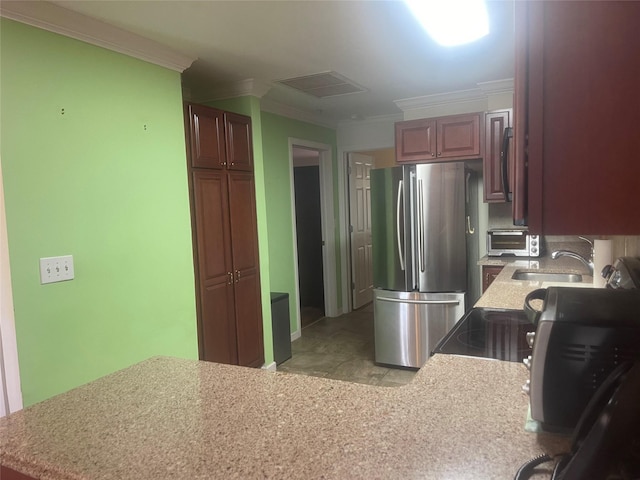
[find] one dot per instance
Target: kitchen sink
(546, 276)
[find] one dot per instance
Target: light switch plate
(56, 269)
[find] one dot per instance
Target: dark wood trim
(535, 107)
(519, 187)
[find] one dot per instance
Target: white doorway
(308, 225)
(303, 154)
(381, 157)
(10, 392)
(360, 166)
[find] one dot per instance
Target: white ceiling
(376, 44)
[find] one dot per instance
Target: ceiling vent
(325, 84)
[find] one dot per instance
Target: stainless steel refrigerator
(419, 220)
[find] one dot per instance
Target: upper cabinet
(498, 156)
(239, 145)
(577, 106)
(439, 139)
(218, 139)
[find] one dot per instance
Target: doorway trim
(328, 229)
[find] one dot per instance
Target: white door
(360, 213)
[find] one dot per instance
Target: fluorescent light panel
(452, 22)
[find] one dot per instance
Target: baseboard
(271, 367)
(296, 335)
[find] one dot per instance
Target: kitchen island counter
(460, 418)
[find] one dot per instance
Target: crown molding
(496, 86)
(242, 88)
(56, 19)
(384, 119)
(277, 108)
(484, 90)
(257, 88)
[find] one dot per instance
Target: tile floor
(342, 348)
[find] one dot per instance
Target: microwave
(513, 243)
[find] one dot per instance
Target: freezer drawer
(408, 325)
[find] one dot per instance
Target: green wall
(276, 131)
(106, 182)
(251, 106)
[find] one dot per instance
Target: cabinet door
(7, 473)
(458, 137)
(489, 274)
(416, 140)
(216, 322)
(244, 232)
(492, 163)
(239, 143)
(206, 137)
(583, 105)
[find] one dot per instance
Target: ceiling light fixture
(452, 22)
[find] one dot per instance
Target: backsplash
(626, 246)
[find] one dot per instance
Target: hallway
(342, 348)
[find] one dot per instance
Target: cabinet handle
(230, 274)
(433, 154)
(439, 153)
(237, 275)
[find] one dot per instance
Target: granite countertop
(460, 418)
(504, 292)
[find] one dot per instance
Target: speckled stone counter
(504, 292)
(165, 418)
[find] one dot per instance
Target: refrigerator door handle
(421, 302)
(398, 226)
(421, 252)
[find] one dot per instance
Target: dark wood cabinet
(497, 143)
(225, 242)
(219, 139)
(439, 139)
(7, 473)
(246, 269)
(577, 103)
(238, 135)
(489, 274)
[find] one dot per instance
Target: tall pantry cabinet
(223, 210)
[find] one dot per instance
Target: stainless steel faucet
(588, 262)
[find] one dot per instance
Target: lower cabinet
(489, 274)
(7, 473)
(229, 305)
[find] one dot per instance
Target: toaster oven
(512, 242)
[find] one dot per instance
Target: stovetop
(489, 333)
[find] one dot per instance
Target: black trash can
(281, 326)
